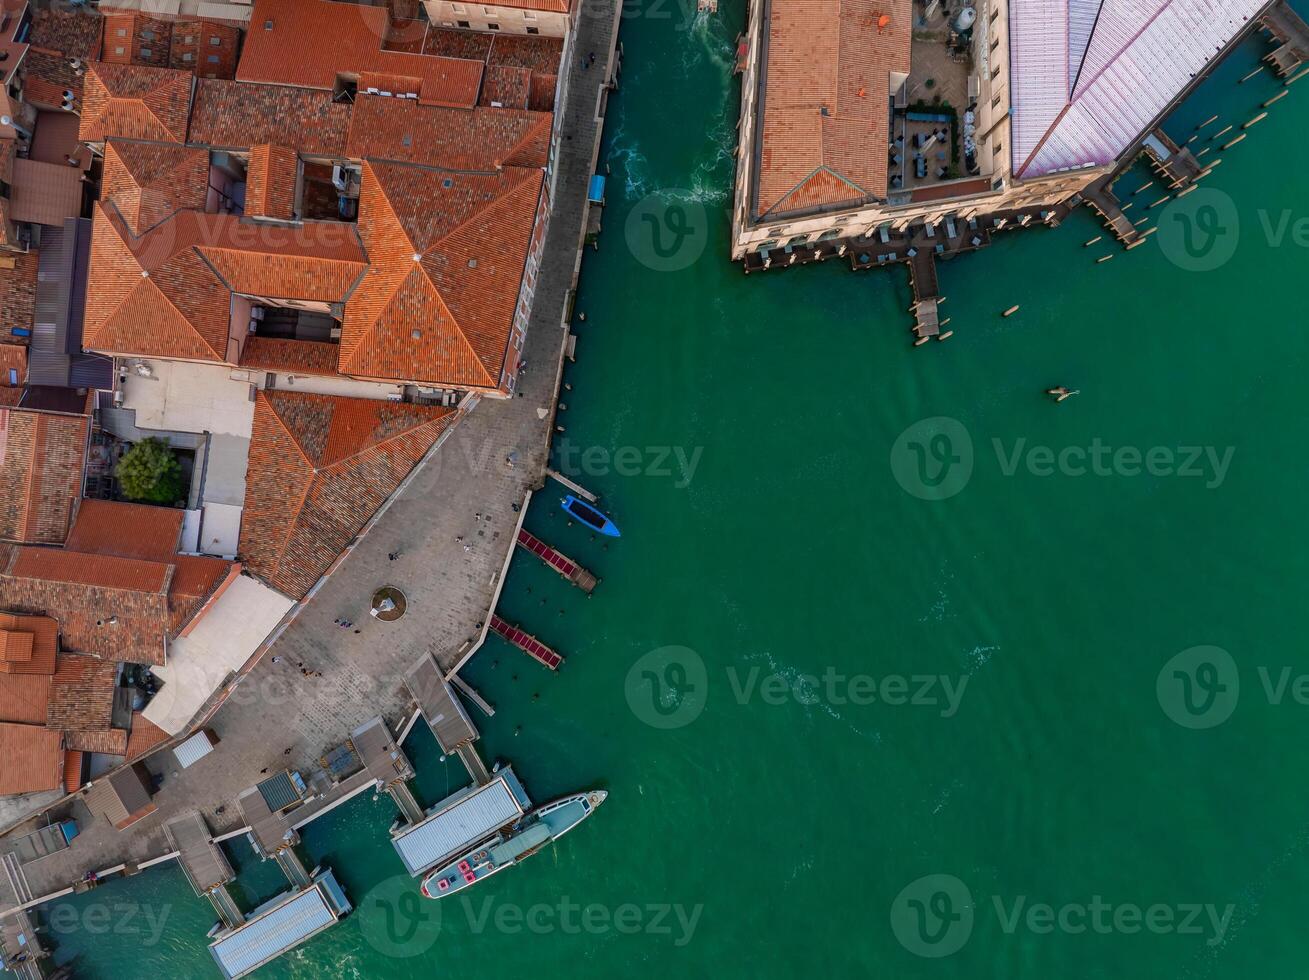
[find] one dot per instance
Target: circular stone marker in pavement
(388, 604)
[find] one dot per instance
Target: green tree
(149, 471)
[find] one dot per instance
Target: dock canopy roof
(459, 822)
(280, 926)
(1089, 77)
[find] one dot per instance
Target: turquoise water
(776, 831)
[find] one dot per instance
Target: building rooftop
(320, 466)
(333, 39)
(32, 760)
(1090, 76)
(135, 102)
(147, 183)
(42, 459)
(204, 47)
(825, 105)
(238, 115)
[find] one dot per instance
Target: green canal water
(744, 682)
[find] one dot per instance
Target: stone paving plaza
(276, 718)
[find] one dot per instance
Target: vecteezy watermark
(1201, 231)
(667, 231)
(563, 915)
(145, 923)
(934, 459)
(661, 462)
(666, 688)
(838, 689)
(397, 921)
(1200, 687)
(934, 916)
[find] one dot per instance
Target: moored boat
(582, 511)
(505, 848)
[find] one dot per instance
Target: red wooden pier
(530, 645)
(560, 562)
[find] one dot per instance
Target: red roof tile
(135, 103)
(24, 698)
(18, 294)
(123, 530)
(13, 359)
(483, 139)
(236, 115)
(31, 759)
(145, 735)
(290, 356)
(106, 741)
(149, 182)
(72, 32)
(73, 762)
(448, 254)
(330, 38)
(270, 181)
(320, 466)
(42, 458)
(41, 644)
(825, 116)
(193, 48)
(136, 39)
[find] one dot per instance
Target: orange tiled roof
(116, 608)
(447, 253)
(72, 771)
(136, 39)
(149, 182)
(123, 530)
(135, 103)
(270, 181)
(13, 357)
(145, 735)
(82, 700)
(197, 580)
(168, 293)
(329, 38)
(25, 698)
(31, 759)
(289, 356)
(320, 466)
(41, 644)
(237, 115)
(483, 139)
(193, 48)
(42, 458)
(825, 111)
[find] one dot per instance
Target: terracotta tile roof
(123, 530)
(45, 193)
(330, 38)
(13, 359)
(149, 182)
(145, 735)
(106, 741)
(236, 115)
(448, 254)
(41, 644)
(825, 110)
(18, 294)
(74, 32)
(483, 139)
(542, 96)
(168, 293)
(320, 466)
(73, 762)
(82, 700)
(116, 608)
(506, 87)
(24, 698)
(270, 181)
(195, 582)
(46, 78)
(42, 458)
(135, 103)
(31, 759)
(539, 54)
(289, 356)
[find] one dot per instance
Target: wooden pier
(387, 763)
(1288, 28)
(572, 485)
(529, 644)
(1176, 165)
(560, 562)
(1103, 201)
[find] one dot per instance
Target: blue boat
(589, 516)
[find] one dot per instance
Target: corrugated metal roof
(193, 749)
(56, 356)
(456, 825)
(272, 933)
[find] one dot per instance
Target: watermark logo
(666, 688)
(832, 687)
(933, 458)
(1201, 231)
(932, 917)
(1199, 687)
(398, 921)
(145, 924)
(668, 230)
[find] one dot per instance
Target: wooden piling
(921, 340)
(1104, 258)
(1250, 122)
(1193, 187)
(1149, 231)
(1163, 200)
(1142, 221)
(1011, 311)
(1292, 81)
(1093, 241)
(1277, 98)
(1252, 74)
(945, 336)
(1207, 122)
(1221, 133)
(1144, 187)
(1229, 145)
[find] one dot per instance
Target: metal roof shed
(460, 821)
(193, 749)
(280, 926)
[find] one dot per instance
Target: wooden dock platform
(1103, 201)
(203, 862)
(560, 562)
(529, 644)
(1176, 165)
(574, 486)
(1289, 28)
(441, 708)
